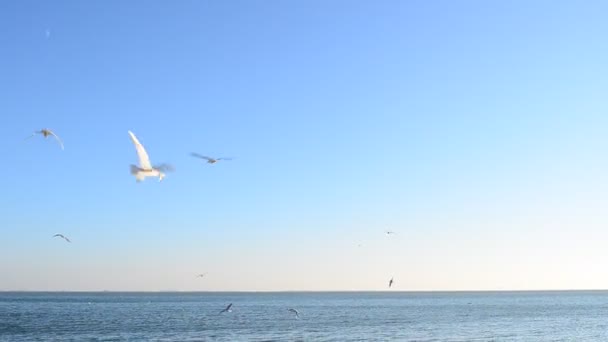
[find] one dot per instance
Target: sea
(323, 316)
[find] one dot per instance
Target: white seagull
(208, 159)
(145, 169)
(295, 312)
(227, 309)
(46, 133)
(62, 236)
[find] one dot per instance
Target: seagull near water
(46, 133)
(295, 312)
(145, 168)
(227, 309)
(390, 283)
(208, 159)
(62, 236)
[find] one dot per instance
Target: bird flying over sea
(62, 236)
(46, 133)
(145, 168)
(295, 312)
(390, 283)
(208, 159)
(227, 309)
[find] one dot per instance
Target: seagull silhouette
(208, 159)
(145, 168)
(390, 283)
(62, 236)
(295, 312)
(227, 309)
(46, 133)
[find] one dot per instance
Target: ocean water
(349, 316)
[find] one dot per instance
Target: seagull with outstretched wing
(145, 168)
(295, 312)
(208, 159)
(45, 132)
(62, 236)
(227, 309)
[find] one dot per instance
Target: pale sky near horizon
(476, 130)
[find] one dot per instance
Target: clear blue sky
(476, 130)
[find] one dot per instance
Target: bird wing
(165, 167)
(66, 239)
(144, 160)
(56, 137)
(33, 134)
(227, 308)
(200, 156)
(58, 235)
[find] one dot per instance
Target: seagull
(388, 232)
(46, 132)
(295, 312)
(145, 169)
(390, 283)
(201, 275)
(227, 309)
(62, 236)
(208, 159)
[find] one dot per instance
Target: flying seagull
(388, 232)
(201, 275)
(227, 309)
(295, 312)
(46, 133)
(145, 169)
(390, 283)
(208, 159)
(62, 236)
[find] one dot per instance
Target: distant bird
(201, 275)
(388, 232)
(227, 309)
(295, 312)
(46, 133)
(146, 169)
(208, 159)
(62, 236)
(390, 283)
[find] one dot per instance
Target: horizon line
(301, 291)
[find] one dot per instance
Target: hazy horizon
(475, 130)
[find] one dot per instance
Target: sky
(475, 130)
